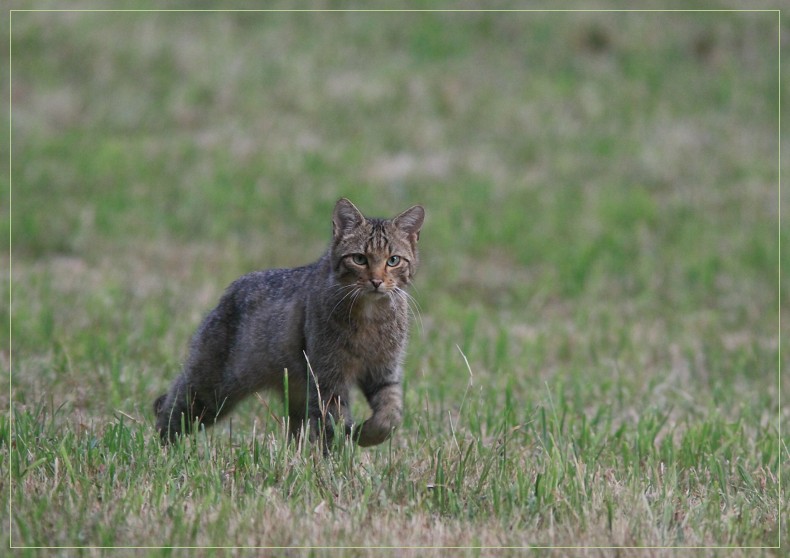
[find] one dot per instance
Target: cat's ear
(410, 221)
(346, 217)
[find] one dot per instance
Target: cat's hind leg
(181, 408)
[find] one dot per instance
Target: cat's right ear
(345, 218)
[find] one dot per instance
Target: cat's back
(271, 286)
(262, 311)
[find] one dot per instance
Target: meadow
(596, 356)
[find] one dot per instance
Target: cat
(340, 321)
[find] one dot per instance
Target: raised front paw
(377, 429)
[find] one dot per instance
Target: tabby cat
(340, 321)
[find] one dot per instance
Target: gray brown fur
(348, 319)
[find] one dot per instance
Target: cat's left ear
(410, 221)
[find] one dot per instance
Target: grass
(596, 362)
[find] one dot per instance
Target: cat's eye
(359, 259)
(393, 261)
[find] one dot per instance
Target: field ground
(596, 359)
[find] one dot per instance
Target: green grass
(596, 362)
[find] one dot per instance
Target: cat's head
(378, 256)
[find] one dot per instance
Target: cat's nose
(376, 283)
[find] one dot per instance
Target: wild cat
(340, 321)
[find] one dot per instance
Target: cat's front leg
(385, 398)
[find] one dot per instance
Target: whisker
(413, 306)
(339, 288)
(351, 291)
(357, 294)
(412, 300)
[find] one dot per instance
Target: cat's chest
(371, 343)
(366, 335)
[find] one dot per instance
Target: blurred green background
(553, 140)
